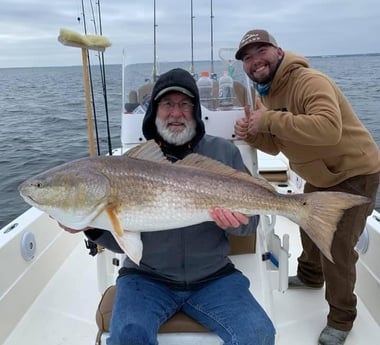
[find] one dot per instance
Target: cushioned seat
(179, 322)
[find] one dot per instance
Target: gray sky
(29, 28)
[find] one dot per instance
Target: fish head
(72, 194)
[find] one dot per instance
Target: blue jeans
(225, 306)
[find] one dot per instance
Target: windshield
(221, 81)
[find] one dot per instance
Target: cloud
(29, 28)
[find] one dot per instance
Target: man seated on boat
(186, 269)
(303, 114)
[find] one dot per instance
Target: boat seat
(144, 93)
(141, 96)
(180, 322)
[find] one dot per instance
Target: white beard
(176, 138)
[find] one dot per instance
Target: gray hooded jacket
(188, 256)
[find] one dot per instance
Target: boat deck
(64, 312)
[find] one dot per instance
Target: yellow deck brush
(85, 42)
(91, 42)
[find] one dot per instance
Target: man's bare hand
(249, 125)
(255, 117)
(226, 219)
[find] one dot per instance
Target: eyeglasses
(184, 106)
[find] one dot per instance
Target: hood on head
(180, 80)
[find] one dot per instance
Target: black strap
(92, 247)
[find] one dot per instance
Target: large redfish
(142, 191)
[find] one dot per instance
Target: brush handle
(86, 80)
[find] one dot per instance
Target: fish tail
(323, 211)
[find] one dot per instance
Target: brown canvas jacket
(312, 123)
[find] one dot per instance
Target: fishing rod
(192, 37)
(102, 74)
(104, 83)
(91, 87)
(155, 69)
(212, 72)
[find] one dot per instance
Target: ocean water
(43, 115)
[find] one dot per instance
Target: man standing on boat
(302, 113)
(186, 269)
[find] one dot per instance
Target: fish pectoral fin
(129, 241)
(112, 215)
(131, 244)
